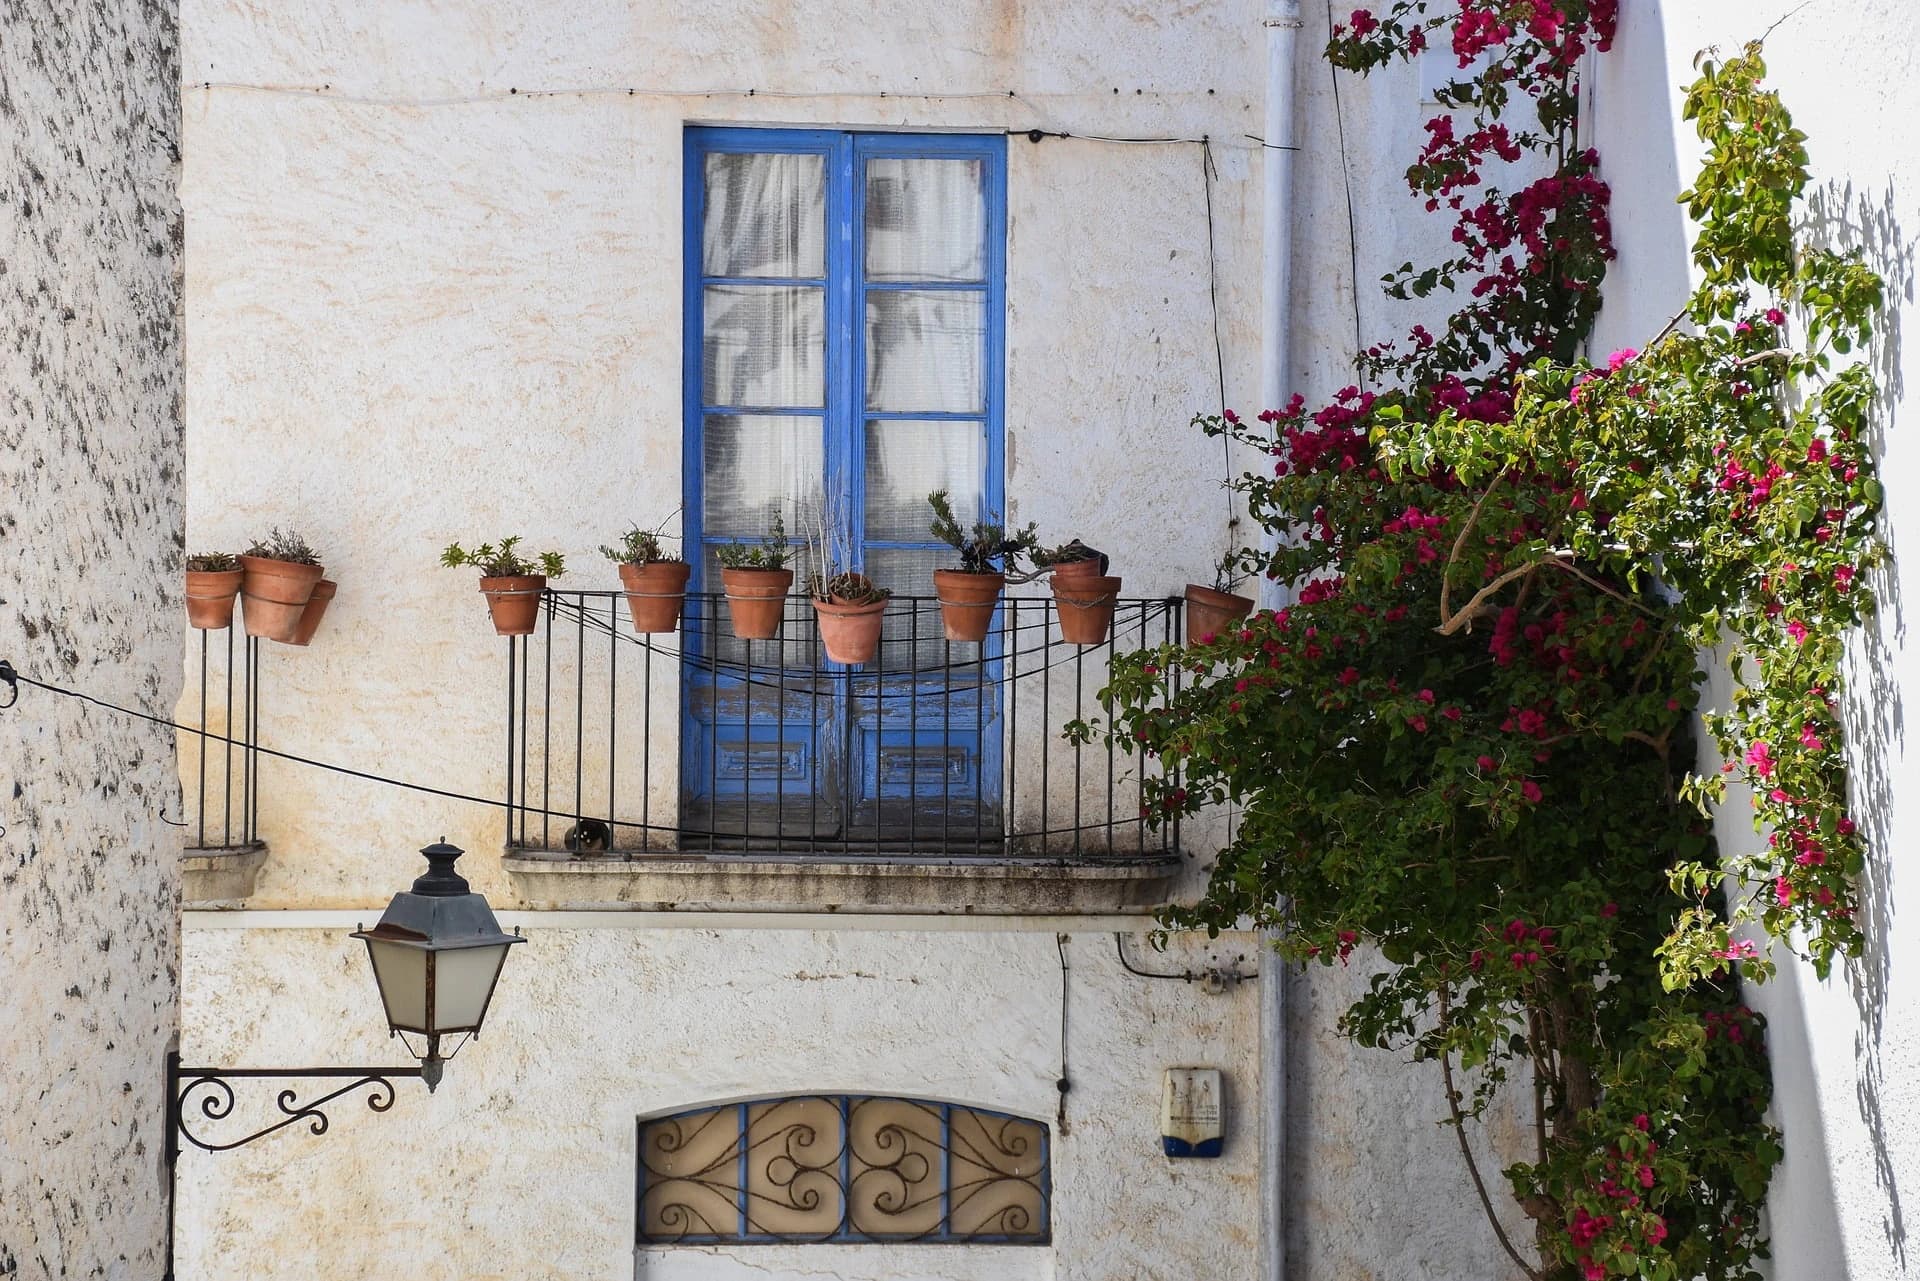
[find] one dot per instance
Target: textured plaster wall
(1844, 1050)
(90, 461)
(424, 311)
(522, 1165)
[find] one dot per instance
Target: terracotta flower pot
(1081, 569)
(1085, 605)
(273, 595)
(851, 633)
(210, 596)
(514, 602)
(967, 602)
(1211, 613)
(316, 610)
(756, 600)
(655, 593)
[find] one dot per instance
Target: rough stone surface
(90, 466)
(522, 1165)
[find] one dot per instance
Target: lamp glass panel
(462, 982)
(402, 974)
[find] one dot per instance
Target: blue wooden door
(844, 354)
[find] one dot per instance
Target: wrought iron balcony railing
(621, 743)
(219, 763)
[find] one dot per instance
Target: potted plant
(847, 604)
(316, 610)
(213, 580)
(279, 573)
(988, 554)
(655, 581)
(756, 580)
(1212, 610)
(1083, 594)
(511, 583)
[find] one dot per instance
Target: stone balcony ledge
(776, 882)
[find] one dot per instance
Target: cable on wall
(1065, 1083)
(1346, 179)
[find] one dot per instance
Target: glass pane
(793, 1167)
(402, 974)
(911, 632)
(462, 981)
(926, 351)
(755, 466)
(926, 220)
(896, 1170)
(689, 1169)
(907, 459)
(766, 215)
(764, 345)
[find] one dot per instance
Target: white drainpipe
(1282, 24)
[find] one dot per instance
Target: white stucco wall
(522, 1164)
(90, 598)
(423, 309)
(1843, 1050)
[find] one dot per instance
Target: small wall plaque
(1192, 1113)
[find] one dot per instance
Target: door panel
(847, 301)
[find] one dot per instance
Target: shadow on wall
(1843, 218)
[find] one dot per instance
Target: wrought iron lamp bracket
(208, 1092)
(210, 1089)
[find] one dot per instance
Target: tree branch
(1466, 1149)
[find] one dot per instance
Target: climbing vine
(1466, 743)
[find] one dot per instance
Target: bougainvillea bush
(1466, 743)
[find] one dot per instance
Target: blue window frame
(844, 412)
(905, 381)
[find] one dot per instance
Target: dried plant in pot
(512, 583)
(279, 573)
(756, 580)
(1213, 610)
(654, 579)
(1084, 595)
(847, 605)
(988, 554)
(213, 581)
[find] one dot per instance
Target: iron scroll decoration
(204, 1095)
(844, 1169)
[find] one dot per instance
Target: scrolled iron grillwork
(843, 1168)
(207, 1091)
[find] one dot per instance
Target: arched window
(843, 1168)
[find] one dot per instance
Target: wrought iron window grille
(845, 1169)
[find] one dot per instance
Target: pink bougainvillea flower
(1776, 317)
(1530, 790)
(1760, 758)
(1620, 358)
(1797, 630)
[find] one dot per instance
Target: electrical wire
(12, 678)
(1346, 179)
(1065, 1083)
(1207, 176)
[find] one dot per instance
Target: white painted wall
(522, 1164)
(423, 308)
(1845, 1050)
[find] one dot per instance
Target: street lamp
(436, 954)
